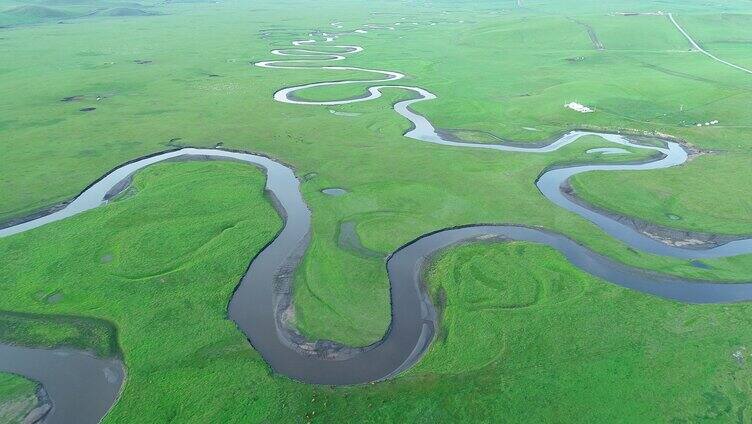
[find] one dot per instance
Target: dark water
(549, 183)
(669, 287)
(334, 191)
(82, 387)
(77, 379)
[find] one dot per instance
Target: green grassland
(579, 349)
(16, 13)
(727, 35)
(17, 398)
(708, 194)
(672, 198)
(543, 333)
(164, 286)
(154, 270)
(35, 329)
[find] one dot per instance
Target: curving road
(697, 47)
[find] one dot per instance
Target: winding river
(261, 302)
(549, 183)
(82, 387)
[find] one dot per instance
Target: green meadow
(539, 329)
(525, 337)
(17, 398)
(673, 199)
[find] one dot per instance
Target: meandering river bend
(263, 295)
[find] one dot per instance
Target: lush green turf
(161, 265)
(360, 314)
(502, 69)
(521, 328)
(542, 333)
(97, 336)
(709, 193)
(672, 197)
(17, 398)
(727, 35)
(11, 386)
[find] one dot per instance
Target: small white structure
(578, 107)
